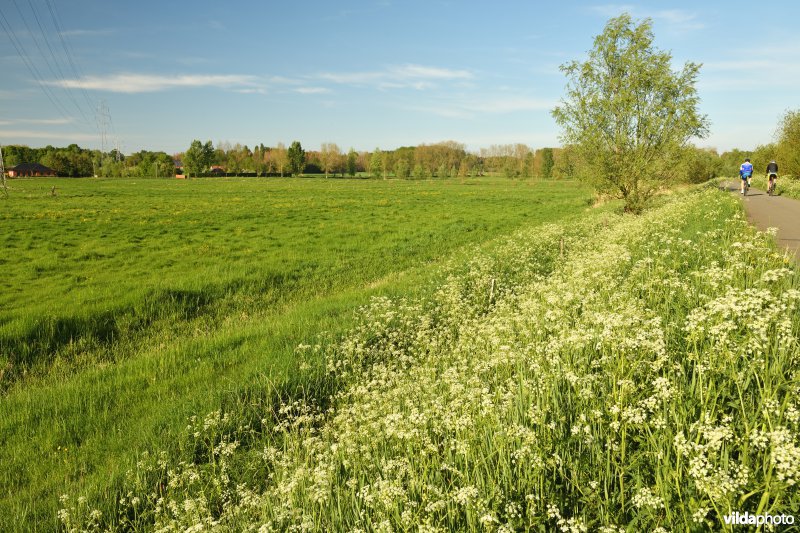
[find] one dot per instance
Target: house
(217, 170)
(30, 170)
(178, 168)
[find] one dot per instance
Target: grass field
(131, 305)
(611, 373)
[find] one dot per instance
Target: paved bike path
(766, 211)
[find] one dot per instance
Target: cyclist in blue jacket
(745, 171)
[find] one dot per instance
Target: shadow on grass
(66, 337)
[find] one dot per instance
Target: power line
(56, 62)
(65, 45)
(103, 117)
(44, 56)
(31, 66)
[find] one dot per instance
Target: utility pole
(3, 174)
(103, 119)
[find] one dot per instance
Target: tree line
(437, 160)
(74, 161)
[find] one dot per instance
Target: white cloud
(753, 69)
(461, 108)
(37, 121)
(312, 90)
(43, 121)
(50, 121)
(20, 135)
(397, 77)
(436, 73)
(677, 19)
(86, 33)
(140, 83)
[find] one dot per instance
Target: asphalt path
(766, 211)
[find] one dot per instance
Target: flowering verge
(617, 373)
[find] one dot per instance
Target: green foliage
(71, 161)
(402, 169)
(376, 163)
(352, 161)
(511, 168)
(696, 165)
(732, 160)
(296, 158)
(547, 163)
(627, 113)
(788, 150)
(198, 158)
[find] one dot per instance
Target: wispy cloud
(283, 80)
(86, 33)
(470, 108)
(752, 68)
(396, 77)
(312, 90)
(21, 135)
(677, 19)
(41, 121)
(142, 83)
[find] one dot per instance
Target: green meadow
(604, 373)
(129, 306)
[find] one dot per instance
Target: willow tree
(627, 113)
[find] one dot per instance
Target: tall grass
(133, 305)
(785, 186)
(607, 375)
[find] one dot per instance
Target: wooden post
(3, 174)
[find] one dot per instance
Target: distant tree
(328, 157)
(386, 163)
(198, 158)
(529, 165)
(627, 113)
(352, 161)
(731, 161)
(788, 152)
(402, 169)
(700, 165)
(281, 157)
(547, 163)
(376, 163)
(296, 157)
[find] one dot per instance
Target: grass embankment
(133, 304)
(610, 374)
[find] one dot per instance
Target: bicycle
(773, 181)
(746, 186)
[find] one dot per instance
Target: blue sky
(362, 74)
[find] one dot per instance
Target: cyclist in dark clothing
(772, 173)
